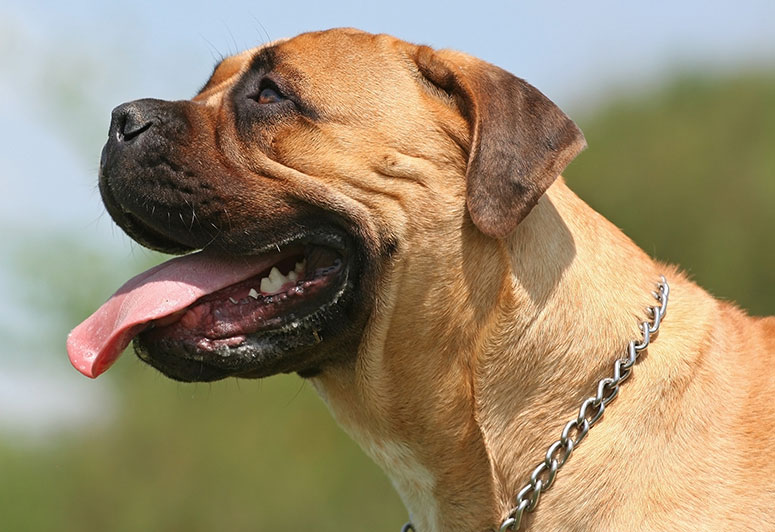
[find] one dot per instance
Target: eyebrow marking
(264, 60)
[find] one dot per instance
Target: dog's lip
(133, 224)
(149, 237)
(171, 287)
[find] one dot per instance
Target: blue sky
(65, 65)
(576, 52)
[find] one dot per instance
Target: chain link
(542, 477)
(574, 432)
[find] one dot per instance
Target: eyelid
(268, 83)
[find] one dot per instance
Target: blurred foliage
(230, 456)
(688, 172)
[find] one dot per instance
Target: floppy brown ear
(520, 140)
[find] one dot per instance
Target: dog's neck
(459, 409)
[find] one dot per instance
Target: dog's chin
(287, 318)
(241, 332)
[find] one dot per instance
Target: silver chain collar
(542, 477)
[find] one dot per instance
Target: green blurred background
(681, 158)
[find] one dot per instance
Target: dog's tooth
(272, 285)
(299, 269)
(276, 277)
(267, 286)
(253, 293)
(293, 276)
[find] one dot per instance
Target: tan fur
(479, 349)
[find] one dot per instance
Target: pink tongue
(159, 292)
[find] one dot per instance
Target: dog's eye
(268, 95)
(267, 100)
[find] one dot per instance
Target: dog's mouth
(205, 316)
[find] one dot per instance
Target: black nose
(131, 120)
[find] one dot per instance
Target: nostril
(132, 125)
(129, 121)
(132, 130)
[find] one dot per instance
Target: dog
(389, 221)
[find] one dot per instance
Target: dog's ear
(520, 140)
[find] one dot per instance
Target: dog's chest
(414, 482)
